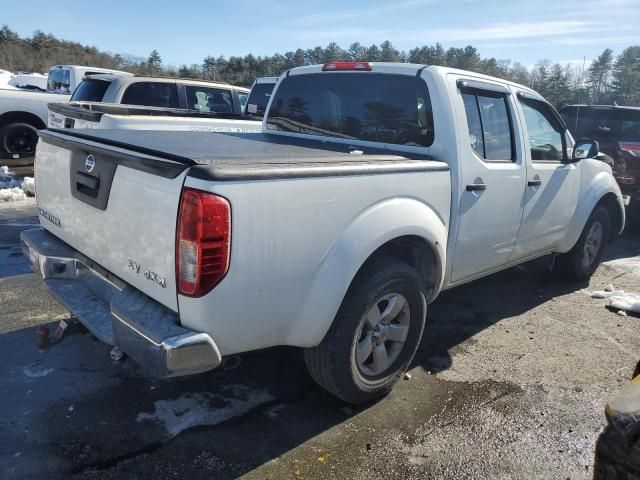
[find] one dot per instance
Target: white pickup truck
(24, 112)
(154, 103)
(373, 188)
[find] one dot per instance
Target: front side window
(490, 132)
(151, 94)
(205, 99)
(544, 131)
(373, 107)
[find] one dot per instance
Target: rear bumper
(117, 313)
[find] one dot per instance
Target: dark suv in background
(617, 129)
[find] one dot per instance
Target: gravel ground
(509, 382)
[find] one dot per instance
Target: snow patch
(5, 79)
(29, 81)
(37, 372)
(13, 188)
(619, 299)
(629, 265)
(197, 409)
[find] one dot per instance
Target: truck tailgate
(115, 206)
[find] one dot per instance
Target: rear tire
(585, 257)
(375, 334)
(19, 138)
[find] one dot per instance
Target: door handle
(534, 183)
(474, 187)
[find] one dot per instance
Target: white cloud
(338, 15)
(495, 31)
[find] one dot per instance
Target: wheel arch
(22, 117)
(402, 228)
(602, 190)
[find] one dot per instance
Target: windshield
(374, 107)
(259, 98)
(608, 123)
(90, 90)
(59, 80)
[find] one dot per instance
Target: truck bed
(220, 156)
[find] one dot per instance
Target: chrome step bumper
(117, 313)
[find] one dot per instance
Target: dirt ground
(509, 382)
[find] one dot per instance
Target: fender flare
(372, 228)
(602, 183)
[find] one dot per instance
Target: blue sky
(189, 30)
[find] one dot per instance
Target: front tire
(375, 334)
(19, 139)
(585, 257)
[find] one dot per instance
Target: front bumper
(117, 313)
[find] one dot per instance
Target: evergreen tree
(388, 52)
(626, 76)
(599, 74)
(154, 62)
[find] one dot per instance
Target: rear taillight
(203, 242)
(335, 66)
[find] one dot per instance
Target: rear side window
(204, 99)
(151, 94)
(490, 131)
(364, 106)
(259, 98)
(90, 91)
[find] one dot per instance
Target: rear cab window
(375, 107)
(207, 99)
(90, 90)
(259, 98)
(151, 94)
(59, 80)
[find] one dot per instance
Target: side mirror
(585, 148)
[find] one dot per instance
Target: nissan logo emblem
(89, 163)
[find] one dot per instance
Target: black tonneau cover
(218, 156)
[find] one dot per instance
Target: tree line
(607, 79)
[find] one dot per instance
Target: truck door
(552, 189)
(491, 183)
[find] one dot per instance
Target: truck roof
(107, 77)
(266, 80)
(601, 107)
(130, 78)
(93, 69)
(400, 68)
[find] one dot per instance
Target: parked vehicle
(617, 129)
(24, 112)
(108, 101)
(259, 95)
(373, 188)
(100, 115)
